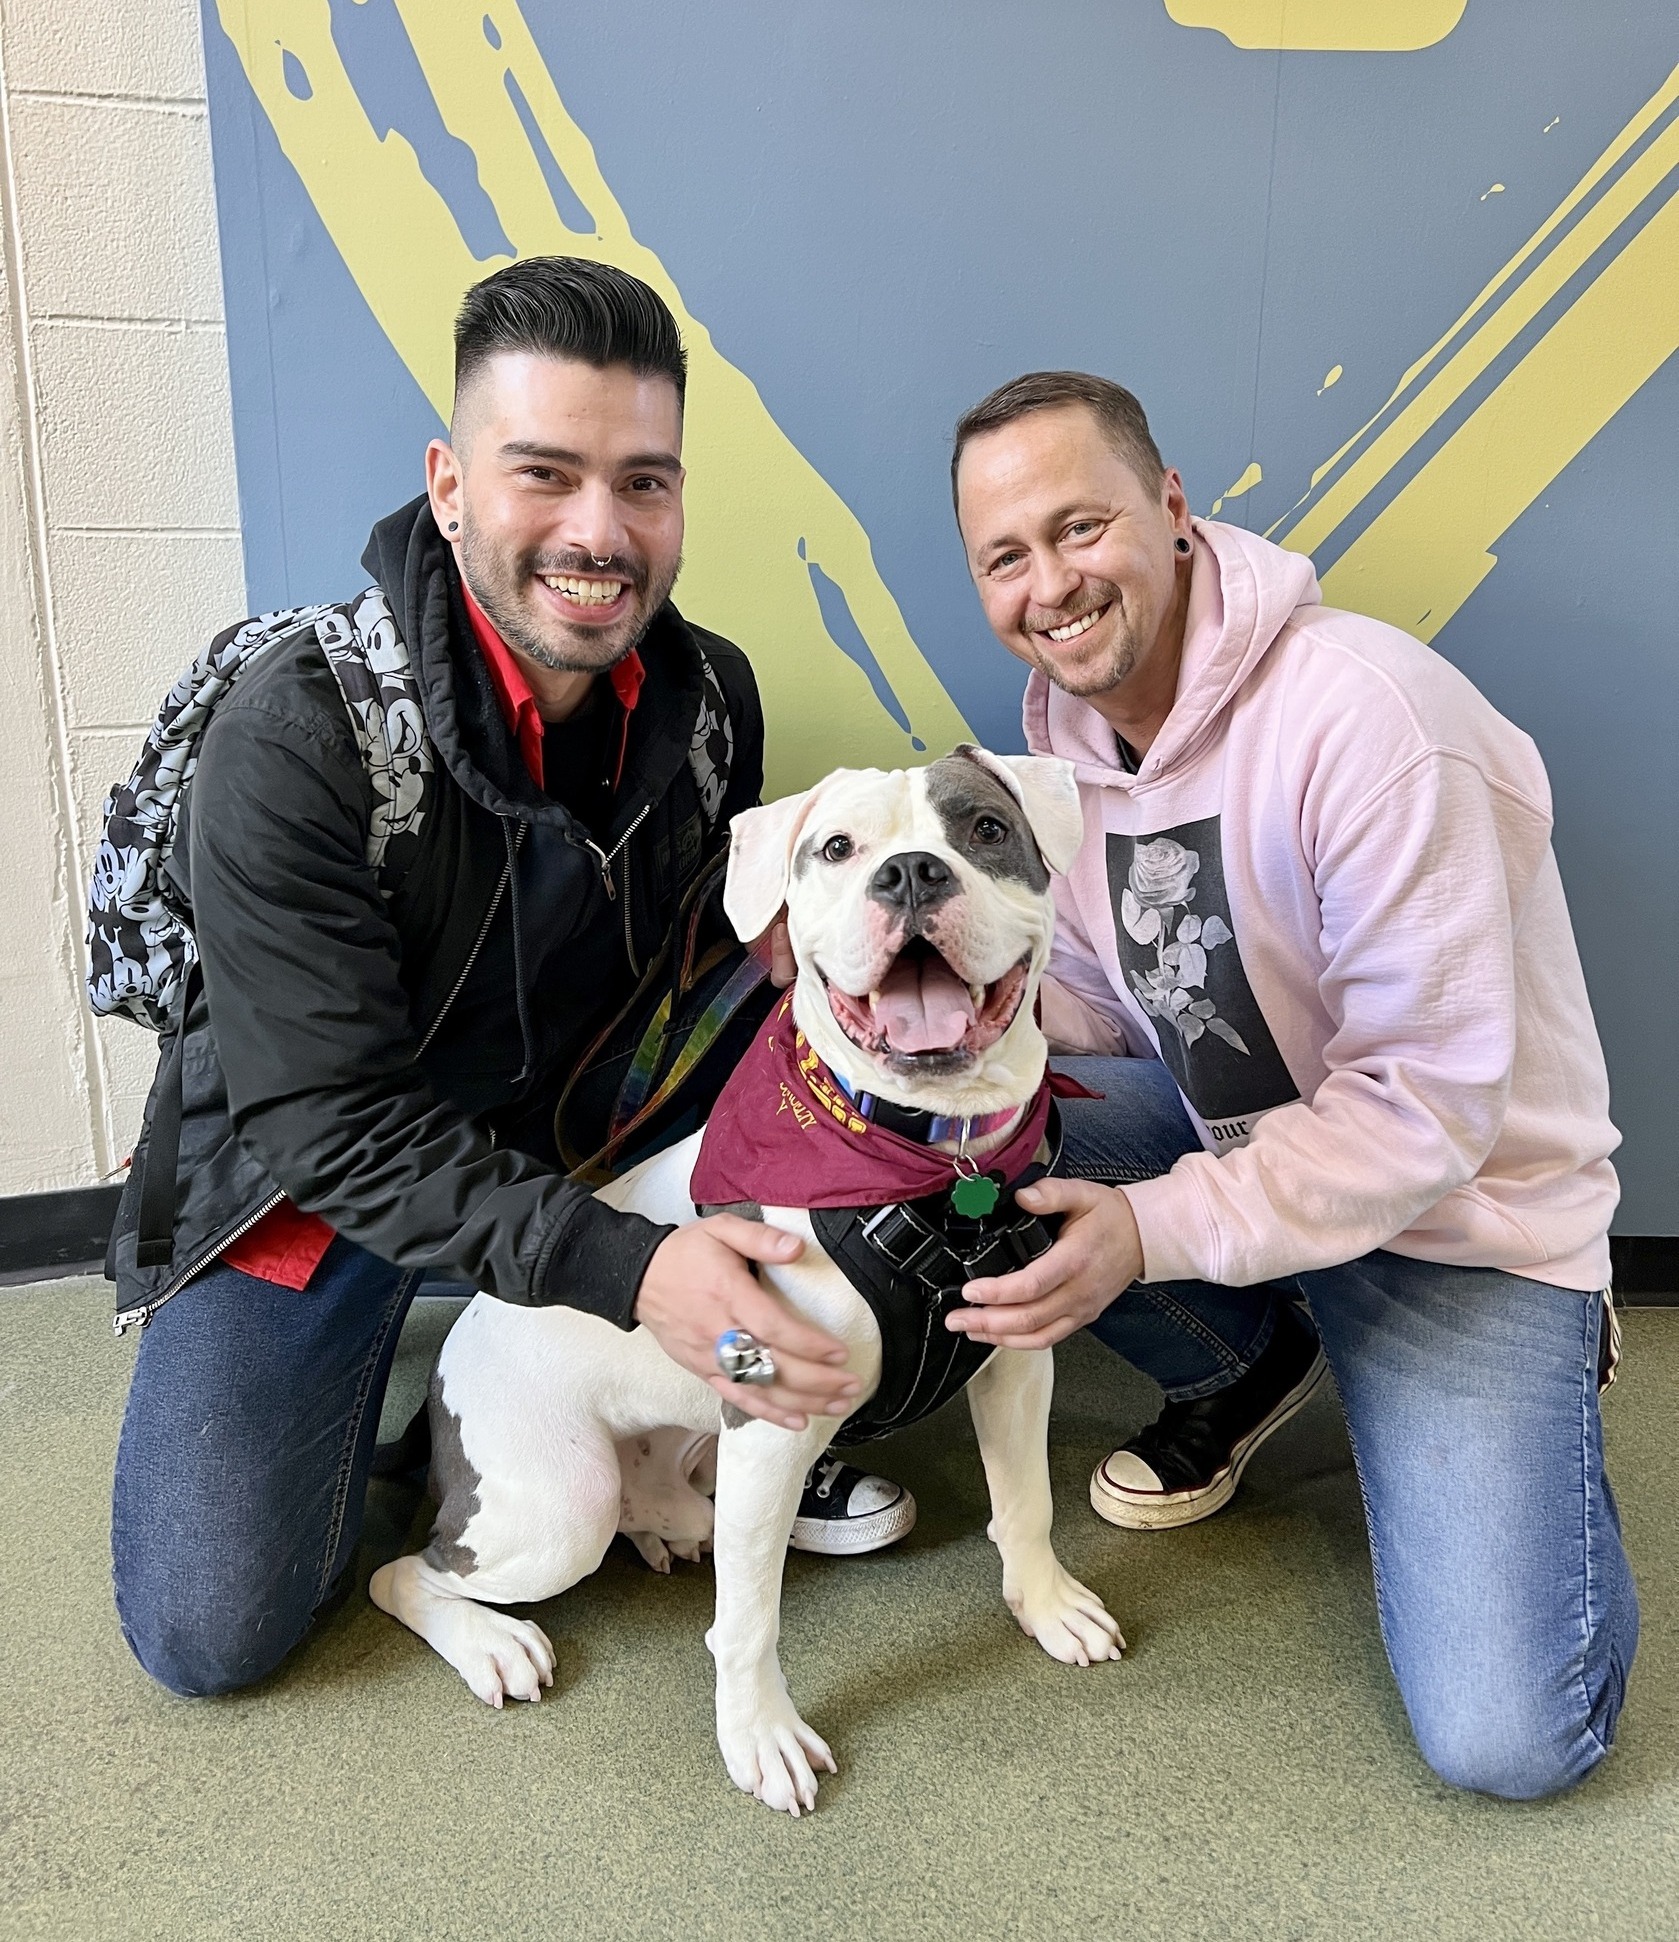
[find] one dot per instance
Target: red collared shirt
(285, 1247)
(518, 703)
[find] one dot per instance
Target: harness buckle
(904, 1240)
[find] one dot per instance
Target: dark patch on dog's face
(454, 1482)
(804, 856)
(969, 799)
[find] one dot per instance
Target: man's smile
(586, 599)
(1070, 630)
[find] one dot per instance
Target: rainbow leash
(637, 1100)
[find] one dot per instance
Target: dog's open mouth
(924, 1015)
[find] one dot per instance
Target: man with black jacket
(369, 1069)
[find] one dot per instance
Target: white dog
(919, 912)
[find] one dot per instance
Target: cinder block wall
(119, 539)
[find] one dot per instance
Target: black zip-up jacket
(318, 1060)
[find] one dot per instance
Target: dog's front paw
(771, 1754)
(1067, 1619)
(498, 1656)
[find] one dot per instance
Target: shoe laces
(827, 1469)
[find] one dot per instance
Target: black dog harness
(909, 1261)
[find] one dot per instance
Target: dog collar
(926, 1129)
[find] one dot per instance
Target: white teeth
(977, 993)
(587, 593)
(1074, 628)
(874, 1001)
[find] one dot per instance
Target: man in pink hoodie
(1354, 1107)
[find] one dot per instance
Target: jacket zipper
(629, 934)
(519, 1007)
(606, 859)
(128, 1318)
(513, 844)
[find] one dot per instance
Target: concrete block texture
(119, 549)
(131, 610)
(136, 426)
(128, 1062)
(114, 202)
(135, 47)
(47, 1134)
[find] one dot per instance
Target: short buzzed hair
(568, 306)
(1115, 409)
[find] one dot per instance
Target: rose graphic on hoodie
(1183, 965)
(1156, 884)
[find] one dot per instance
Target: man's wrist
(599, 1260)
(1137, 1261)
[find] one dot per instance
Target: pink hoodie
(1327, 900)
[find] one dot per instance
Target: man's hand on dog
(697, 1285)
(1096, 1257)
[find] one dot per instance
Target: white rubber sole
(1139, 1510)
(851, 1537)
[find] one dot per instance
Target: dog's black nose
(913, 881)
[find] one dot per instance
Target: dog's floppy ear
(760, 860)
(1045, 788)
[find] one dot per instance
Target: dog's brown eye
(991, 829)
(837, 848)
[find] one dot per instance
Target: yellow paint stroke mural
(1243, 486)
(1427, 549)
(1344, 26)
(760, 516)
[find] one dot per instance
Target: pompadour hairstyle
(567, 306)
(1115, 410)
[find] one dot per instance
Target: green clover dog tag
(974, 1196)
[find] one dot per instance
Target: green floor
(1246, 1772)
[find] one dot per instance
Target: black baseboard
(1646, 1269)
(45, 1235)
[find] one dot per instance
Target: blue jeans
(1507, 1606)
(243, 1464)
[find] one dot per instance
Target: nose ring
(600, 562)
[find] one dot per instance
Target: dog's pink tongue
(924, 1006)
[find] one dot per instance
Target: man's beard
(1125, 648)
(501, 586)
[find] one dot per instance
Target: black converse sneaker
(844, 1513)
(1189, 1460)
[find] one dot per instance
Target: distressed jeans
(1506, 1603)
(243, 1463)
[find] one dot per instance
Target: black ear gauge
(1182, 545)
(455, 526)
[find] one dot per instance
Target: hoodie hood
(407, 555)
(415, 566)
(1243, 592)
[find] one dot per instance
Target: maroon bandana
(784, 1134)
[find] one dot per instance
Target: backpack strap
(711, 750)
(154, 1240)
(369, 660)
